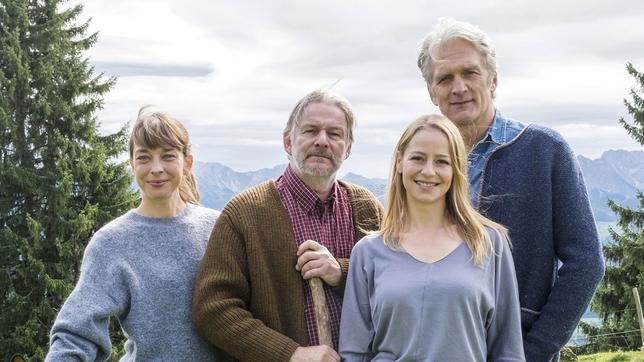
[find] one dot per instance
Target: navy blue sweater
(533, 186)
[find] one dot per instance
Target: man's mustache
(327, 155)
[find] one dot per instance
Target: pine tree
(59, 178)
(614, 301)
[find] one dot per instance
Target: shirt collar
(497, 132)
(305, 196)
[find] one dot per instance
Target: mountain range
(616, 175)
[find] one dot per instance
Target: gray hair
(321, 96)
(449, 29)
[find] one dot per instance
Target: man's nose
(322, 139)
(459, 86)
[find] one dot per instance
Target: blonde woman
(437, 282)
(140, 268)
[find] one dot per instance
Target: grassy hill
(607, 357)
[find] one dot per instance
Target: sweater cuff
(288, 351)
(344, 268)
(534, 353)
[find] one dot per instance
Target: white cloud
(591, 141)
(232, 71)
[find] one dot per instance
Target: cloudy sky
(232, 70)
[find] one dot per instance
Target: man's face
(319, 142)
(461, 85)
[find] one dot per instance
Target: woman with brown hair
(140, 268)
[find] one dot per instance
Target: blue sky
(232, 70)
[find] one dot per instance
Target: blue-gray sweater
(141, 270)
(533, 185)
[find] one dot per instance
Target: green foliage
(635, 107)
(614, 300)
(60, 181)
(610, 357)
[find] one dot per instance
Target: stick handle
(321, 311)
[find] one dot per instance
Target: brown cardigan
(248, 297)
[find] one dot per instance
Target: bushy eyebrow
(315, 126)
(468, 68)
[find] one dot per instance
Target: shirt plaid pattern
(330, 223)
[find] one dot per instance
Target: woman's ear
(187, 163)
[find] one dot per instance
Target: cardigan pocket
(528, 317)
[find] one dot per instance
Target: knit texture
(248, 296)
(534, 186)
(141, 270)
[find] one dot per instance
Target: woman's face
(159, 171)
(426, 168)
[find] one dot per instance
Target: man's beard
(301, 165)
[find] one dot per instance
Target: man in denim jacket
(525, 177)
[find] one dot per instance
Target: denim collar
(498, 130)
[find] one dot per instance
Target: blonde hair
(154, 129)
(469, 223)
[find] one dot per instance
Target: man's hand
(314, 260)
(314, 354)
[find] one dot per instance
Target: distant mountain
(378, 186)
(616, 175)
(218, 183)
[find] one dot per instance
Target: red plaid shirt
(330, 223)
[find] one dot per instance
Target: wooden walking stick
(322, 322)
(321, 311)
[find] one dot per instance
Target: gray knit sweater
(142, 271)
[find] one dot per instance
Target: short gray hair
(321, 96)
(449, 29)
